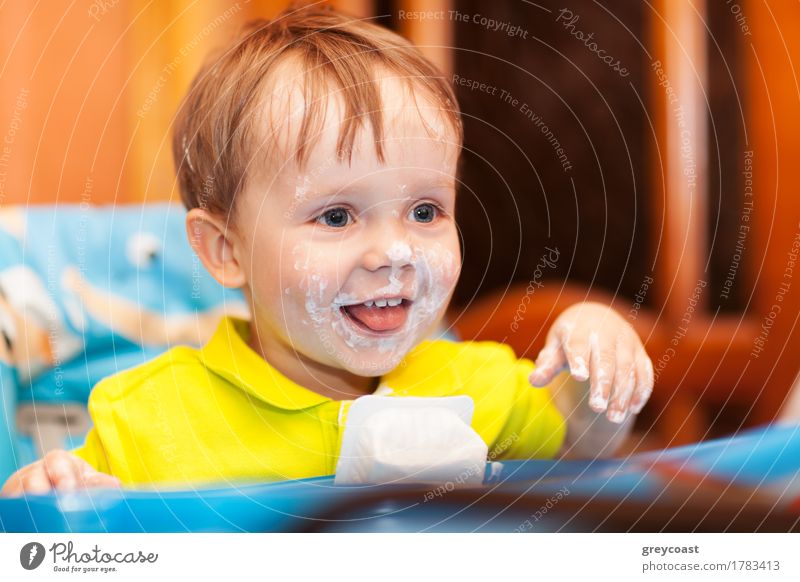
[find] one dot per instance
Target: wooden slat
(772, 58)
(680, 186)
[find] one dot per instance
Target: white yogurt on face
(399, 252)
(400, 255)
(432, 267)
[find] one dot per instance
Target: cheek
(437, 268)
(312, 275)
(451, 249)
(285, 274)
(441, 262)
(309, 261)
(453, 268)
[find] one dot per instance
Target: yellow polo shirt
(221, 413)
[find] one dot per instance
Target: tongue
(378, 318)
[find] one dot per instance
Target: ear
(215, 243)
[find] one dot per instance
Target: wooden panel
(679, 114)
(90, 89)
(556, 144)
(165, 46)
(69, 140)
(772, 64)
(715, 372)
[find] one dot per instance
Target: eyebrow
(439, 181)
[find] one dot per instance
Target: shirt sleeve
(534, 429)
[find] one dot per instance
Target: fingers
(576, 349)
(97, 479)
(620, 373)
(550, 361)
(645, 381)
(625, 379)
(58, 470)
(61, 470)
(564, 348)
(40, 477)
(32, 479)
(604, 368)
(67, 472)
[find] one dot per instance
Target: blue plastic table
(754, 472)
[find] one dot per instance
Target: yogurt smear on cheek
(399, 328)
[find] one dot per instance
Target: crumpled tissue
(411, 440)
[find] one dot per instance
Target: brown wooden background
(90, 87)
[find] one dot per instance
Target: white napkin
(411, 440)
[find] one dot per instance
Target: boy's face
(352, 265)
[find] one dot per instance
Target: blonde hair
(213, 140)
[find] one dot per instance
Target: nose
(389, 246)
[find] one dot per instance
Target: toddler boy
(317, 158)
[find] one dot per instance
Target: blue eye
(335, 217)
(424, 212)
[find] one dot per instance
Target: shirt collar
(228, 355)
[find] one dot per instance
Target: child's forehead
(413, 126)
(411, 158)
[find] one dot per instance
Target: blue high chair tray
(85, 292)
(748, 482)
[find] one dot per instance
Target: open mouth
(379, 315)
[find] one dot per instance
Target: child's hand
(57, 470)
(597, 344)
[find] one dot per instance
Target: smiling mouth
(380, 315)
